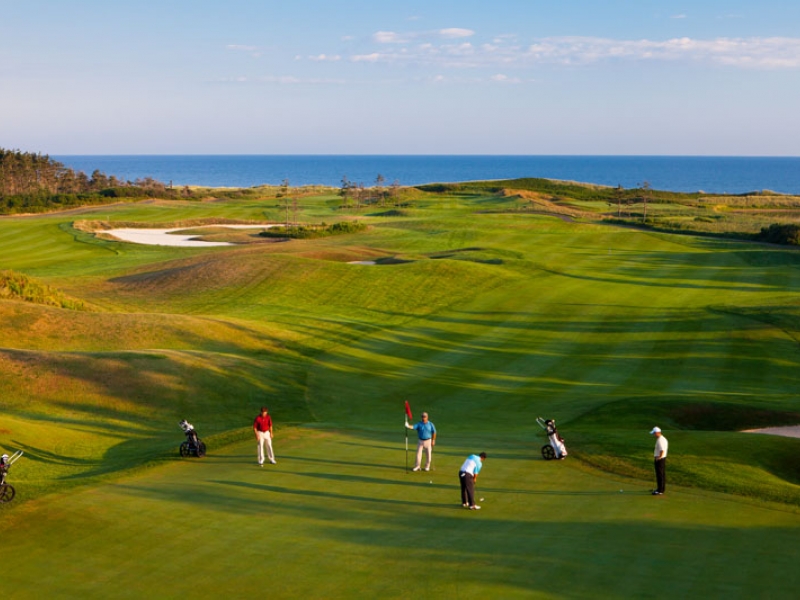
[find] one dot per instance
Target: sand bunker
(165, 237)
(362, 262)
(793, 431)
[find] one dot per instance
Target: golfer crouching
(467, 476)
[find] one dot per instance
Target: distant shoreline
(707, 174)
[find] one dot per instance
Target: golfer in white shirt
(660, 456)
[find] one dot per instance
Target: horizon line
(467, 155)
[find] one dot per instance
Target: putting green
(339, 517)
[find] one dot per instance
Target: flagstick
(406, 450)
(407, 417)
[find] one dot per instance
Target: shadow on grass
(329, 461)
(35, 454)
(373, 480)
(482, 490)
(329, 495)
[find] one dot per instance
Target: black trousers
(467, 488)
(661, 474)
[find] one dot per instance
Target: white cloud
(374, 57)
(460, 49)
(746, 53)
(500, 78)
(449, 33)
(325, 58)
(681, 16)
(455, 32)
(390, 37)
(765, 53)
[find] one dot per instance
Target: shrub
(303, 232)
(781, 233)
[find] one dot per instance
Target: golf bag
(556, 447)
(193, 445)
(7, 491)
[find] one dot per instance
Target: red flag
(408, 411)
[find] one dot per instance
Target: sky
(585, 77)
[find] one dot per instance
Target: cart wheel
(201, 449)
(548, 453)
(7, 493)
(185, 449)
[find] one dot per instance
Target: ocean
(733, 175)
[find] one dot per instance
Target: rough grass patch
(16, 286)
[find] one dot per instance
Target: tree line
(34, 182)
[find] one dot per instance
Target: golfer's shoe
(657, 493)
(474, 507)
(273, 462)
(427, 468)
(415, 469)
(465, 505)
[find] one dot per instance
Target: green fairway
(486, 320)
(338, 516)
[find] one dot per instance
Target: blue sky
(699, 77)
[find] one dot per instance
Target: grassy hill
(482, 314)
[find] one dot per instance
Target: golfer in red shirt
(262, 427)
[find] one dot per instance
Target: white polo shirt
(661, 445)
(472, 465)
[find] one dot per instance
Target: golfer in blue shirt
(426, 431)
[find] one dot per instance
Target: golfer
(262, 427)
(426, 431)
(467, 476)
(660, 455)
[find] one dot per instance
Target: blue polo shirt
(425, 431)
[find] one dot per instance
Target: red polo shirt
(262, 423)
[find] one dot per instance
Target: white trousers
(426, 445)
(265, 439)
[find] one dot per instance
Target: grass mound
(254, 282)
(489, 256)
(95, 225)
(16, 286)
(392, 212)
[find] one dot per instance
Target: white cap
(655, 430)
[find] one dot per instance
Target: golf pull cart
(7, 491)
(556, 447)
(193, 445)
